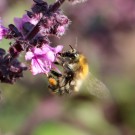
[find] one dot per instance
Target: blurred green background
(102, 30)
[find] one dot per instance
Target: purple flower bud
(63, 24)
(56, 24)
(19, 22)
(42, 59)
(10, 70)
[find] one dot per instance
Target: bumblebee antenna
(71, 47)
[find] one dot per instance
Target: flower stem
(56, 5)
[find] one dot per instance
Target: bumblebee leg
(56, 73)
(68, 89)
(56, 63)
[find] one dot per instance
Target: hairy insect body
(75, 71)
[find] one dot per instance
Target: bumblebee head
(72, 54)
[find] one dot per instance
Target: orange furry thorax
(84, 68)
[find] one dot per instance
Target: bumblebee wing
(96, 87)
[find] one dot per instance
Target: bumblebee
(75, 73)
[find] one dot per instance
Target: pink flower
(42, 58)
(60, 30)
(3, 31)
(36, 18)
(62, 19)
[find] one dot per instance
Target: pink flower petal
(45, 48)
(29, 55)
(36, 66)
(50, 56)
(38, 51)
(58, 48)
